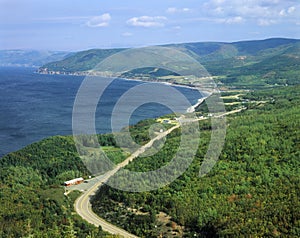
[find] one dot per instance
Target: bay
(35, 106)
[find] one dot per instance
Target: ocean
(35, 106)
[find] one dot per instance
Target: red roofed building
(74, 182)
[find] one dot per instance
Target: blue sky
(83, 24)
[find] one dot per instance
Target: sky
(72, 25)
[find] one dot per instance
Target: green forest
(32, 197)
(253, 190)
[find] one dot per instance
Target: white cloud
(172, 10)
(147, 21)
(267, 11)
(231, 20)
(286, 12)
(282, 13)
(219, 10)
(291, 9)
(99, 21)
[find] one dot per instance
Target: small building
(73, 182)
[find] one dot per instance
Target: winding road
(83, 206)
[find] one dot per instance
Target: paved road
(84, 209)
(83, 206)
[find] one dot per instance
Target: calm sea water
(34, 106)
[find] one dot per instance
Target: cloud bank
(147, 21)
(263, 12)
(172, 10)
(99, 21)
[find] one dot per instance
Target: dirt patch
(168, 227)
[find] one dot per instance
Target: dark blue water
(34, 106)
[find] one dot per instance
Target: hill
(257, 63)
(32, 197)
(81, 61)
(253, 190)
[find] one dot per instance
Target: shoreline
(191, 109)
(108, 75)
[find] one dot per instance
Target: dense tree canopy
(254, 188)
(32, 199)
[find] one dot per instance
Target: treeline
(253, 190)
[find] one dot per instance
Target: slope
(252, 191)
(257, 63)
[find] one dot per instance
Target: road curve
(84, 209)
(83, 206)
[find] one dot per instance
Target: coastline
(109, 75)
(119, 76)
(191, 109)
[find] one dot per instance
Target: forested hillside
(253, 190)
(32, 197)
(81, 61)
(260, 63)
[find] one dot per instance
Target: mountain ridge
(206, 51)
(222, 60)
